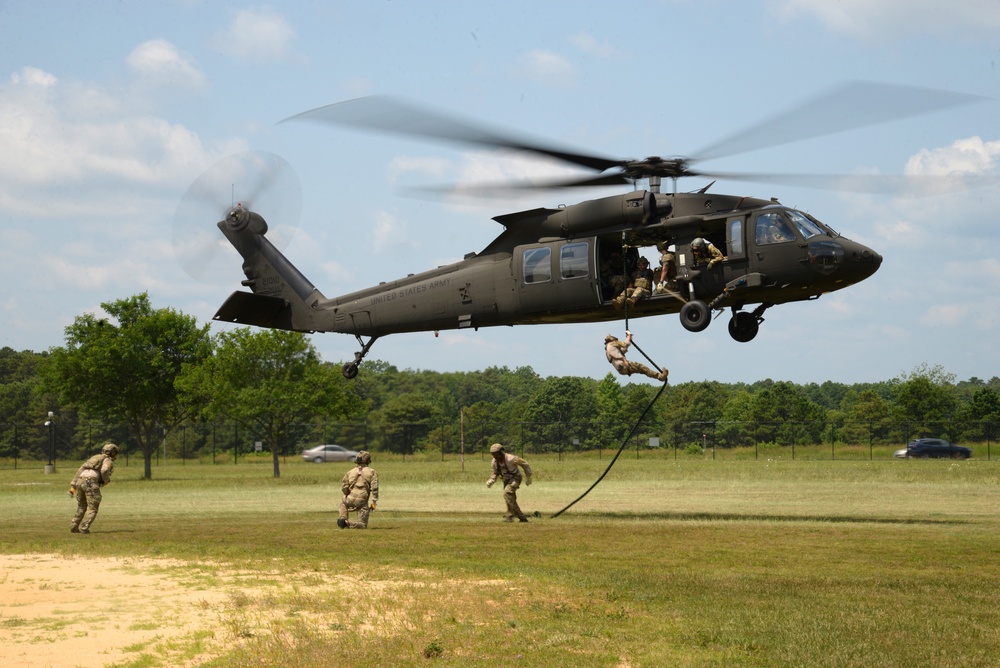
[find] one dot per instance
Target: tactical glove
(489, 483)
(527, 481)
(371, 506)
(72, 490)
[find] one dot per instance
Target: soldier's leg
(510, 496)
(637, 367)
(342, 520)
(93, 493)
(81, 508)
(362, 521)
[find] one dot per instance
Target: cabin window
(574, 260)
(537, 265)
(772, 228)
(735, 240)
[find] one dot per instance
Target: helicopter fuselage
(559, 266)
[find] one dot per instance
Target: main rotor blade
(846, 107)
(923, 185)
(386, 114)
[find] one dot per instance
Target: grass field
(690, 562)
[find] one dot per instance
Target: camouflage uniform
(640, 287)
(612, 271)
(505, 466)
(668, 269)
(615, 351)
(86, 486)
(705, 251)
(360, 488)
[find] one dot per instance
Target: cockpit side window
(772, 228)
(807, 227)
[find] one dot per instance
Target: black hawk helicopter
(556, 265)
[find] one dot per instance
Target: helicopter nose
(860, 261)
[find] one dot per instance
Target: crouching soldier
(86, 486)
(360, 488)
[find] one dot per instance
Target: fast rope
(617, 454)
(642, 417)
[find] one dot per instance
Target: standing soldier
(360, 488)
(86, 486)
(505, 466)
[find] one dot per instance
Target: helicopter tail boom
(281, 295)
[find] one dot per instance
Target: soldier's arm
(527, 469)
(373, 488)
(107, 468)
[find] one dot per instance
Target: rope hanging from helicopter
(621, 449)
(642, 417)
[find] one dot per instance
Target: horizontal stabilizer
(247, 308)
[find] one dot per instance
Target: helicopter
(559, 265)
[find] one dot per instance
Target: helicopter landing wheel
(350, 370)
(743, 326)
(695, 316)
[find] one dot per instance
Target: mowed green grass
(687, 562)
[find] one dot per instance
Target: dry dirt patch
(90, 612)
(80, 611)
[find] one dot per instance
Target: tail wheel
(350, 370)
(695, 316)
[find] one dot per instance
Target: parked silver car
(329, 453)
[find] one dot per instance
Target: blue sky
(109, 111)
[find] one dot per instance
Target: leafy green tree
(271, 380)
(124, 369)
(926, 401)
(562, 409)
(981, 414)
(403, 419)
(863, 416)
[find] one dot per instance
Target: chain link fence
(229, 441)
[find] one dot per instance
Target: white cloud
(964, 156)
(74, 149)
(256, 35)
(32, 76)
(879, 19)
(588, 44)
(159, 61)
(390, 233)
(546, 68)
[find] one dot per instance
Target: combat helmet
(109, 449)
(363, 458)
(699, 244)
(495, 448)
(609, 338)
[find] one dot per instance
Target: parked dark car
(329, 453)
(923, 448)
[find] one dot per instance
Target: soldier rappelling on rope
(615, 351)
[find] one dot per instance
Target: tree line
(143, 377)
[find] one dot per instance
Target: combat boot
(663, 375)
(618, 303)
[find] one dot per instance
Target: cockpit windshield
(806, 226)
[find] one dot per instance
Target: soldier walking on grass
(505, 466)
(86, 486)
(360, 488)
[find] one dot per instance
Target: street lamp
(51, 425)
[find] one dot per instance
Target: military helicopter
(558, 265)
